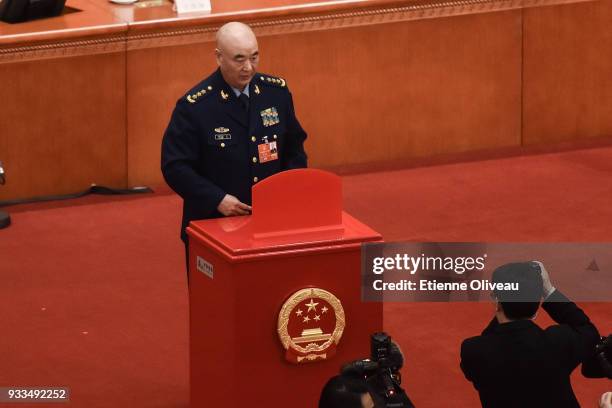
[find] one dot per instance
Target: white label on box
(205, 267)
(192, 6)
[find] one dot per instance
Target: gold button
(262, 78)
(222, 144)
(253, 138)
(209, 88)
(254, 159)
(255, 179)
(274, 136)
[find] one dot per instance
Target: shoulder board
(269, 80)
(196, 95)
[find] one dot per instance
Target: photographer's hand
(548, 286)
(606, 400)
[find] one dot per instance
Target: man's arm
(578, 331)
(180, 155)
(564, 311)
(294, 156)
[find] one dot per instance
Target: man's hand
(606, 400)
(548, 286)
(230, 206)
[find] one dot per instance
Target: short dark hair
(343, 392)
(524, 302)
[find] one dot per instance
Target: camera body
(381, 372)
(603, 351)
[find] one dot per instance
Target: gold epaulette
(193, 98)
(269, 80)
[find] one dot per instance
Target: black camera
(603, 351)
(381, 373)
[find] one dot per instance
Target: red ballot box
(275, 297)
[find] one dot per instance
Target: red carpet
(93, 293)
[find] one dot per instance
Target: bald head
(237, 54)
(234, 33)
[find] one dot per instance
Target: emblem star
(324, 310)
(299, 312)
(312, 305)
(306, 319)
(317, 318)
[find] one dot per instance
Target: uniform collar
(245, 91)
(229, 100)
(227, 93)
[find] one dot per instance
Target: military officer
(229, 132)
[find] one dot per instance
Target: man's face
(238, 59)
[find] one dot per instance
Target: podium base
(5, 220)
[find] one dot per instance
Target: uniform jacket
(520, 365)
(211, 146)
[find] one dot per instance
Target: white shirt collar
(237, 92)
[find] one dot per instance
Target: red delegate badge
(267, 152)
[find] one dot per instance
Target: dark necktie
(244, 100)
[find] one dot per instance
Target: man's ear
(496, 300)
(218, 56)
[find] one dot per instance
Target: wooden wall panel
(364, 94)
(62, 124)
(395, 91)
(568, 72)
(387, 87)
(157, 77)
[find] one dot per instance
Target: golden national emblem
(310, 325)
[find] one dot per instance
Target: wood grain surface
(90, 93)
(568, 72)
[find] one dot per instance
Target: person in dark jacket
(514, 363)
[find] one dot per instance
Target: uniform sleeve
(180, 155)
(575, 333)
(294, 156)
